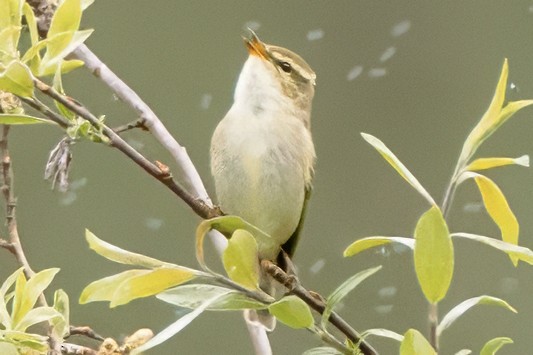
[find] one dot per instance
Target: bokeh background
(416, 74)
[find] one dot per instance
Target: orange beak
(255, 46)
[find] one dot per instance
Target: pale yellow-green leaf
(489, 163)
(55, 52)
(384, 333)
(227, 225)
(342, 291)
(35, 316)
(433, 255)
(514, 251)
(372, 242)
(464, 306)
(33, 288)
(17, 79)
(193, 295)
(389, 156)
(174, 328)
(414, 343)
(489, 120)
(493, 345)
(28, 341)
(293, 312)
(104, 289)
(8, 349)
(322, 350)
(499, 210)
(149, 284)
(119, 255)
(8, 41)
(241, 261)
(5, 317)
(31, 22)
(11, 119)
(10, 18)
(66, 18)
(60, 325)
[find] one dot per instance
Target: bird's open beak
(255, 46)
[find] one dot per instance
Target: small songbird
(262, 152)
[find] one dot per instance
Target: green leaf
(12, 119)
(384, 333)
(61, 305)
(494, 117)
(148, 284)
(5, 317)
(293, 312)
(493, 345)
(26, 298)
(8, 41)
(241, 260)
(8, 349)
(55, 52)
(17, 79)
(323, 350)
(104, 289)
(10, 18)
(514, 251)
(67, 18)
(35, 316)
(119, 255)
(342, 291)
(30, 22)
(499, 210)
(28, 340)
(389, 156)
(194, 295)
(489, 163)
(414, 343)
(464, 306)
(174, 328)
(371, 242)
(433, 255)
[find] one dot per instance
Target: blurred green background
(416, 74)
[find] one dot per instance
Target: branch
(294, 287)
(159, 171)
(187, 172)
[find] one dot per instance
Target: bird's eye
(285, 66)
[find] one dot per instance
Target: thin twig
(294, 287)
(131, 125)
(201, 207)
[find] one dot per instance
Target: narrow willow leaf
(31, 22)
(241, 260)
(10, 119)
(433, 255)
(17, 79)
(384, 333)
(499, 210)
(119, 255)
(10, 17)
(464, 352)
(50, 63)
(67, 17)
(397, 165)
(323, 350)
(5, 317)
(414, 343)
(493, 345)
(193, 295)
(149, 284)
(514, 251)
(60, 325)
(35, 316)
(489, 121)
(227, 225)
(464, 306)
(293, 312)
(174, 328)
(371, 242)
(104, 289)
(28, 341)
(342, 291)
(489, 163)
(33, 288)
(8, 39)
